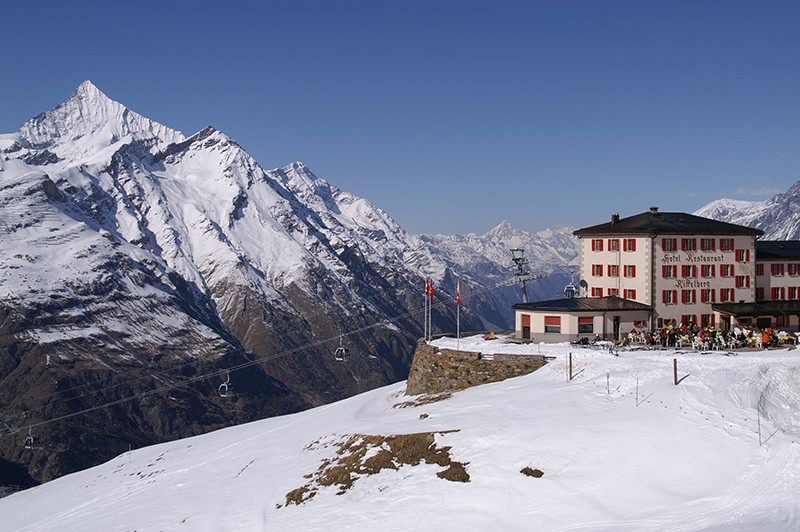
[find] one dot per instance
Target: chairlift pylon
(223, 388)
(341, 351)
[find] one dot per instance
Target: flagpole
(458, 316)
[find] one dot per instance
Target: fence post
(570, 365)
(675, 371)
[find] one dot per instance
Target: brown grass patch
(424, 400)
(359, 455)
(535, 473)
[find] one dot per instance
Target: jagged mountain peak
(88, 121)
(778, 217)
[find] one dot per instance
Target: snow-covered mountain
(619, 447)
(778, 217)
(137, 260)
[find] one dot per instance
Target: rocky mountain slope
(778, 217)
(141, 269)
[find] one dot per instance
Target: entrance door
(726, 323)
(616, 328)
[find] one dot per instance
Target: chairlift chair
(30, 440)
(223, 388)
(341, 351)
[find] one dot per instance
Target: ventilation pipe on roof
(654, 209)
(614, 218)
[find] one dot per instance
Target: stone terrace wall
(446, 370)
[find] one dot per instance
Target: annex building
(657, 269)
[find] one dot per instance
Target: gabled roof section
(777, 249)
(760, 308)
(654, 222)
(585, 304)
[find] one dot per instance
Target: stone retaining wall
(436, 371)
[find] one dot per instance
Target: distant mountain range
(140, 269)
(778, 217)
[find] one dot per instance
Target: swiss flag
(458, 294)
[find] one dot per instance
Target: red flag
(431, 295)
(458, 293)
(427, 287)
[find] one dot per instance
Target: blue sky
(451, 116)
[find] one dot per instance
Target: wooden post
(675, 371)
(570, 366)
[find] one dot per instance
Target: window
(726, 270)
(585, 324)
(629, 294)
(707, 270)
(760, 293)
(669, 297)
(760, 269)
(742, 255)
(629, 244)
(776, 269)
(778, 293)
(706, 320)
(597, 292)
(792, 269)
(742, 281)
(689, 270)
(613, 244)
(792, 292)
(707, 295)
(669, 271)
(688, 297)
(613, 270)
(597, 244)
(688, 244)
(726, 244)
(613, 292)
(726, 295)
(781, 320)
(552, 324)
(707, 244)
(669, 244)
(640, 324)
(597, 270)
(629, 270)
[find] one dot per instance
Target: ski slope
(620, 448)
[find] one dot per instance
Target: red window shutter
(683, 244)
(585, 319)
(702, 244)
(552, 320)
(747, 256)
(675, 295)
(664, 296)
(633, 271)
(633, 245)
(526, 320)
(747, 281)
(593, 241)
(664, 271)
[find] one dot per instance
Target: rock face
(141, 268)
(438, 371)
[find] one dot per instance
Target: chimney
(654, 209)
(614, 218)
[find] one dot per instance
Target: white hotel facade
(656, 269)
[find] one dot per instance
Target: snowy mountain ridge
(131, 247)
(778, 217)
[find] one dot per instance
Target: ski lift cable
(441, 303)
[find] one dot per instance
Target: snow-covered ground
(620, 448)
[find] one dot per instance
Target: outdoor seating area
(710, 338)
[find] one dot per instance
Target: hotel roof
(777, 249)
(586, 304)
(654, 222)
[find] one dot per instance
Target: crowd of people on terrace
(708, 338)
